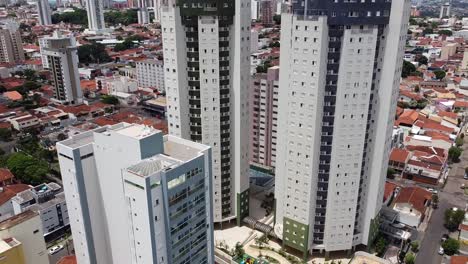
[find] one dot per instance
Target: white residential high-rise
(135, 196)
(157, 11)
(11, 45)
(445, 10)
(150, 74)
(60, 56)
(44, 13)
(143, 12)
(339, 82)
(207, 78)
(95, 11)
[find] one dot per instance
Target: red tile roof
(389, 188)
(399, 155)
(5, 175)
(68, 260)
(460, 104)
(415, 196)
(458, 259)
(11, 190)
(13, 95)
(407, 118)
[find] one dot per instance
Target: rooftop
(151, 165)
(17, 219)
(180, 151)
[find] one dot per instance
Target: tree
(5, 134)
(30, 85)
(417, 89)
(435, 200)
(30, 74)
(110, 99)
(93, 53)
(428, 31)
(119, 37)
(459, 141)
(451, 246)
(77, 17)
(422, 60)
(445, 32)
(380, 246)
(453, 218)
(126, 17)
(61, 137)
(415, 246)
(275, 44)
(277, 19)
(390, 172)
(439, 74)
(410, 258)
(238, 250)
(454, 154)
(408, 68)
(26, 168)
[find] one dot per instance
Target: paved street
(451, 196)
(62, 253)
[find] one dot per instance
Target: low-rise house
(398, 159)
(412, 204)
(12, 96)
(6, 194)
(6, 177)
(48, 200)
(424, 167)
(23, 122)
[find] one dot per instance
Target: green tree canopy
(93, 53)
(445, 32)
(5, 134)
(454, 153)
(277, 19)
(422, 60)
(439, 74)
(77, 17)
(410, 258)
(408, 68)
(109, 99)
(453, 218)
(27, 169)
(126, 17)
(451, 246)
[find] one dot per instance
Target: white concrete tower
(135, 196)
(44, 13)
(339, 79)
(95, 11)
(60, 56)
(207, 78)
(143, 12)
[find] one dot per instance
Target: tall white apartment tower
(340, 72)
(207, 78)
(143, 12)
(135, 196)
(157, 11)
(43, 9)
(60, 56)
(95, 11)
(445, 10)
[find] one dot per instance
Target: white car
(55, 249)
(441, 251)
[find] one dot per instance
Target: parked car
(441, 251)
(55, 249)
(444, 237)
(465, 176)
